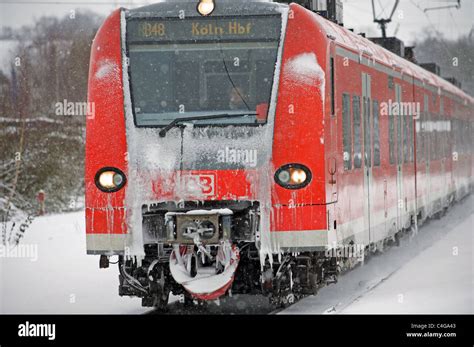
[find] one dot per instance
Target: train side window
(357, 132)
(457, 136)
(440, 138)
(390, 82)
(454, 132)
(447, 144)
(418, 138)
(400, 123)
(445, 137)
(434, 138)
(423, 130)
(406, 137)
(428, 136)
(464, 126)
(469, 141)
(466, 137)
(346, 131)
(375, 112)
(391, 138)
(464, 143)
(411, 146)
(367, 142)
(332, 85)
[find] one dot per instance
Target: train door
(366, 102)
(400, 198)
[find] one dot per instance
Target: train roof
(347, 39)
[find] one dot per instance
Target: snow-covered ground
(439, 280)
(63, 279)
(430, 273)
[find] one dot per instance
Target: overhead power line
(382, 22)
(457, 6)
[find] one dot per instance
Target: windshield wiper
(175, 121)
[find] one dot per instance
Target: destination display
(251, 28)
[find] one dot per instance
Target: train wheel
(313, 281)
(160, 301)
(397, 239)
(188, 300)
(193, 267)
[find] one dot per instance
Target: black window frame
(347, 144)
(376, 133)
(357, 133)
(391, 139)
(333, 102)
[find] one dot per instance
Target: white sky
(357, 14)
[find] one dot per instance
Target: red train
(255, 147)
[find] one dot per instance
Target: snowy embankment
(63, 279)
(430, 273)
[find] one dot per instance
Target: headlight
(110, 179)
(293, 176)
(205, 7)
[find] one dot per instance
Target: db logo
(202, 184)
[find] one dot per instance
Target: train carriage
(243, 148)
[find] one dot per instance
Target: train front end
(184, 181)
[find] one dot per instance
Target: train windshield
(191, 68)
